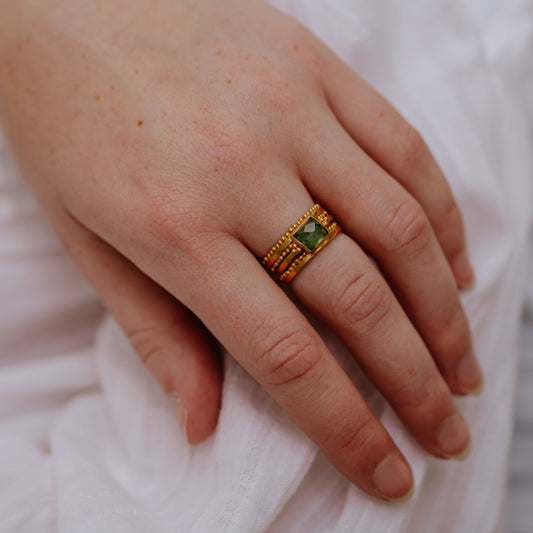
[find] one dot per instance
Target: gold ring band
(302, 241)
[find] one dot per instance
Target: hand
(170, 142)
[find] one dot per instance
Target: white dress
(89, 444)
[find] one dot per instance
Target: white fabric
(89, 444)
(520, 510)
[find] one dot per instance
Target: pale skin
(171, 143)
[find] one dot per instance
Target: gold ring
(301, 243)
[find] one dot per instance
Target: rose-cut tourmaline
(311, 233)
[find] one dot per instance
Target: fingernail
(469, 374)
(478, 390)
(462, 456)
(464, 273)
(453, 437)
(393, 479)
(181, 414)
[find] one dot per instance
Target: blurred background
(520, 502)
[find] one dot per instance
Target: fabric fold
(88, 441)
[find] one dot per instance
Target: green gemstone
(311, 234)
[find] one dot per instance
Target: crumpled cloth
(89, 444)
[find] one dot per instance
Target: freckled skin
(173, 141)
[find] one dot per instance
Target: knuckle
(364, 302)
(169, 217)
(428, 396)
(361, 438)
(146, 342)
(412, 148)
(453, 335)
(227, 143)
(292, 357)
(408, 228)
(151, 345)
(176, 223)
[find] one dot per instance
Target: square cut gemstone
(311, 233)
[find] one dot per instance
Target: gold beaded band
(301, 243)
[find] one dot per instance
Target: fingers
(169, 339)
(342, 287)
(392, 227)
(267, 334)
(380, 130)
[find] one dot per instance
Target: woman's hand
(170, 142)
